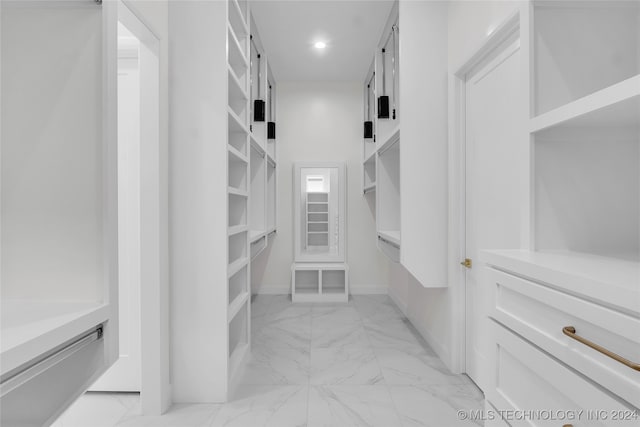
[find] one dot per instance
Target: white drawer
(533, 389)
(540, 313)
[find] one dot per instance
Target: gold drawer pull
(570, 331)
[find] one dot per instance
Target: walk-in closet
(335, 213)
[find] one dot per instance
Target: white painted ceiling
(351, 29)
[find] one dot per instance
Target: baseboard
(368, 289)
(274, 290)
(398, 302)
(353, 290)
(437, 346)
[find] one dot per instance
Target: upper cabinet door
(423, 156)
(58, 222)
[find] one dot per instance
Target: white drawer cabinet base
(531, 386)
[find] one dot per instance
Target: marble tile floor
(335, 365)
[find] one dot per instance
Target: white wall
(321, 122)
(432, 311)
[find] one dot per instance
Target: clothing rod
(37, 366)
(395, 245)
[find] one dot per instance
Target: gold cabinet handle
(570, 331)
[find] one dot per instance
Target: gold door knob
(466, 263)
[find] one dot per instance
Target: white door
(494, 146)
(124, 375)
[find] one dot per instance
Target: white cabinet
(567, 307)
(263, 166)
(322, 282)
(211, 214)
(408, 173)
(59, 223)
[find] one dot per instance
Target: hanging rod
(395, 245)
(37, 366)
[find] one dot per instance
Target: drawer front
(533, 389)
(539, 313)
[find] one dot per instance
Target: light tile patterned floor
(338, 365)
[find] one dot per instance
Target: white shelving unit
(272, 189)
(59, 205)
(317, 218)
(240, 185)
(381, 154)
(388, 196)
(262, 158)
(369, 144)
(584, 125)
(326, 282)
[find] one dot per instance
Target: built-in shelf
(371, 158)
(610, 281)
(369, 188)
(236, 20)
(236, 266)
(257, 144)
(391, 236)
(255, 235)
(236, 305)
(258, 245)
(237, 58)
(392, 138)
(617, 105)
(238, 355)
(237, 155)
(237, 229)
(237, 91)
(320, 282)
(237, 192)
(271, 160)
(236, 125)
(31, 328)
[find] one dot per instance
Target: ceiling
(351, 29)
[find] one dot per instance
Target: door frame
(513, 26)
(155, 393)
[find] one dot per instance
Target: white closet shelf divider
(235, 123)
(236, 89)
(237, 20)
(255, 235)
(236, 358)
(236, 305)
(392, 139)
(238, 192)
(236, 266)
(257, 144)
(616, 105)
(237, 155)
(370, 158)
(237, 229)
(271, 160)
(237, 58)
(369, 188)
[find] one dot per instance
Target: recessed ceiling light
(320, 45)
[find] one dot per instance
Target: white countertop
(611, 281)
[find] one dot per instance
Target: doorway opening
(139, 227)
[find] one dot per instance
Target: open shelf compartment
(581, 47)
